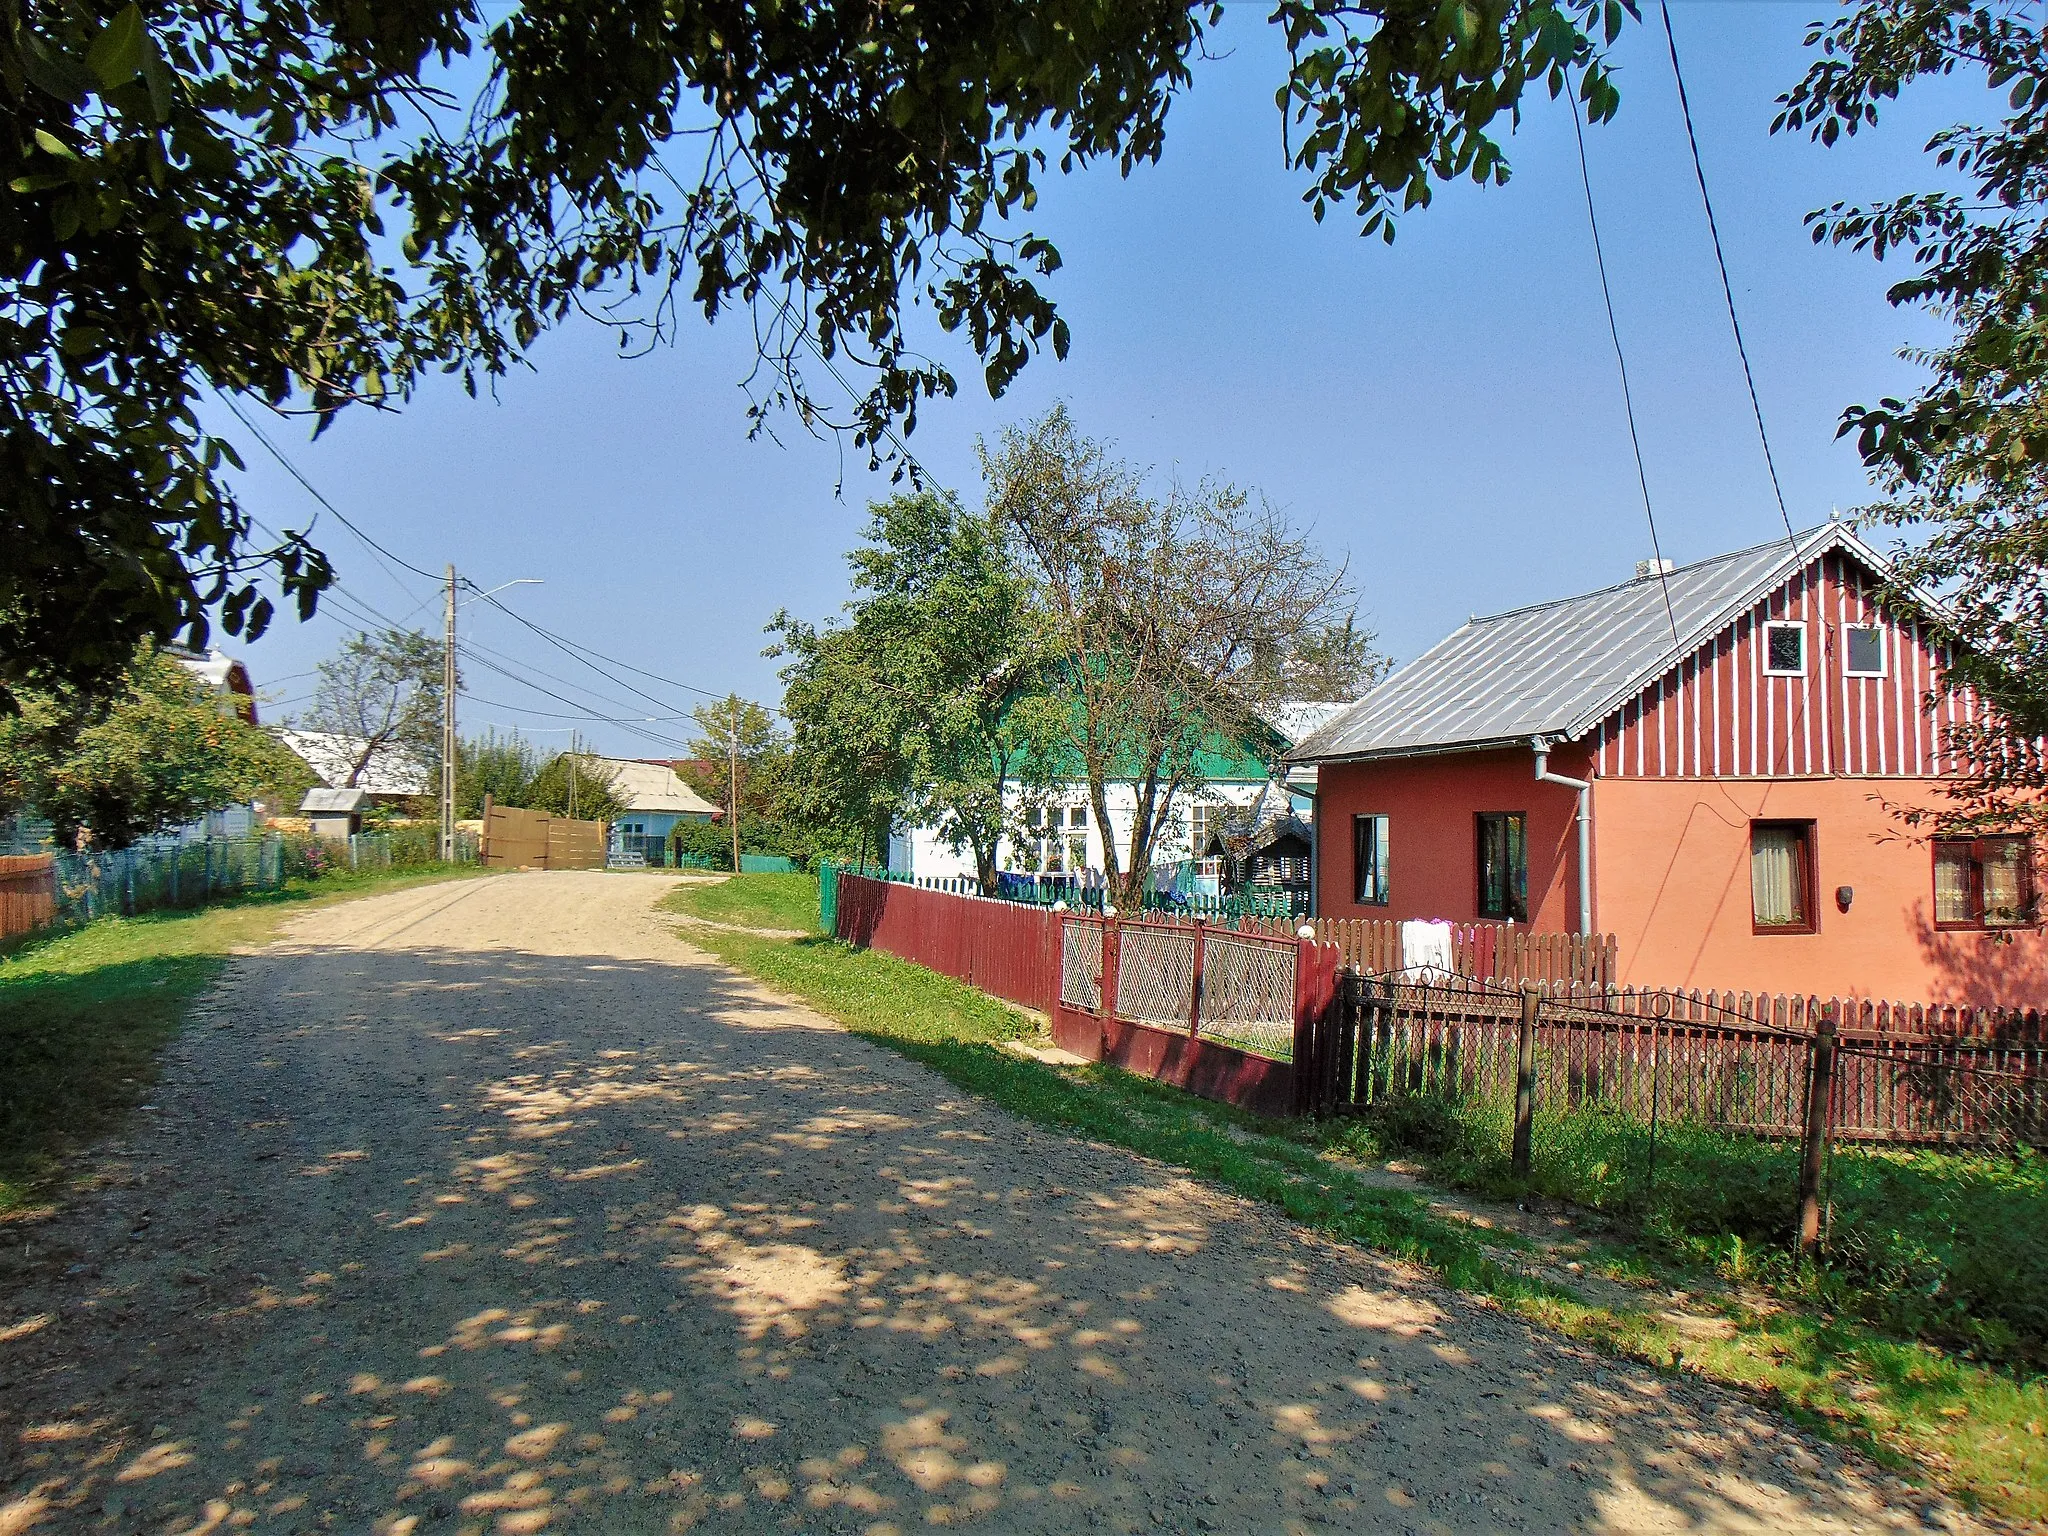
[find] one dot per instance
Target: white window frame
(1884, 651)
(1770, 627)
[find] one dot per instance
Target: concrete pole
(448, 728)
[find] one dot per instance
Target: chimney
(1654, 568)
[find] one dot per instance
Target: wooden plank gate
(520, 839)
(28, 893)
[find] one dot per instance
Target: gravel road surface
(493, 1207)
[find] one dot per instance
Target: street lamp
(522, 581)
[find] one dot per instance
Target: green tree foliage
(164, 750)
(500, 767)
(512, 773)
(1172, 621)
(549, 789)
(908, 708)
(383, 693)
(728, 727)
(1964, 462)
(312, 203)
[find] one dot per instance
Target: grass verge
(85, 1014)
(752, 901)
(1949, 1421)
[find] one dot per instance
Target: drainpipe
(1541, 746)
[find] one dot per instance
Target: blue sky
(1444, 412)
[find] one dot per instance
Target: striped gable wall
(1717, 714)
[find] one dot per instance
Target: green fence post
(828, 897)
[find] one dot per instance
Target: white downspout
(1541, 746)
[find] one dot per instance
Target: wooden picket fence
(1486, 951)
(1903, 1074)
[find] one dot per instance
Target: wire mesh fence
(1718, 1120)
(156, 876)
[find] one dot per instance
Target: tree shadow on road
(434, 1240)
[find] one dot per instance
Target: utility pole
(732, 779)
(448, 728)
(574, 738)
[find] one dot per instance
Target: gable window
(1863, 650)
(1503, 866)
(1784, 649)
(1369, 850)
(1983, 882)
(1781, 877)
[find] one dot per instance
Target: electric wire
(314, 491)
(355, 607)
(1721, 261)
(1621, 364)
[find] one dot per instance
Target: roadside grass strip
(751, 901)
(86, 1012)
(1943, 1418)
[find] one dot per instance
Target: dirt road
(493, 1207)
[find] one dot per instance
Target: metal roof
(650, 788)
(1557, 669)
(392, 770)
(334, 801)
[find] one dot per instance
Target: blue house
(653, 803)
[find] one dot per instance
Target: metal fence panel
(1155, 975)
(1081, 965)
(1248, 994)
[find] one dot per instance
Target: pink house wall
(1433, 843)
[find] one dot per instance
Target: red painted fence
(1218, 1012)
(1002, 947)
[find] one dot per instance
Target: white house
(1060, 831)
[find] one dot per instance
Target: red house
(1726, 806)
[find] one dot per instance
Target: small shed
(335, 813)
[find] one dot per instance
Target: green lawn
(84, 1015)
(1939, 1416)
(1950, 1248)
(752, 901)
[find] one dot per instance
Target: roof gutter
(1389, 754)
(1540, 745)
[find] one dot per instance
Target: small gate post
(1820, 1083)
(1525, 1081)
(1312, 1002)
(1112, 962)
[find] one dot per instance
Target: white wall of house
(1068, 829)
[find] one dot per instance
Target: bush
(1416, 1122)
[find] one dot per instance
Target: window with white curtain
(1983, 882)
(1369, 855)
(1781, 876)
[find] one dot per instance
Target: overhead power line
(364, 612)
(1721, 261)
(1621, 364)
(314, 491)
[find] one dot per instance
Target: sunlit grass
(1936, 1416)
(752, 901)
(85, 1014)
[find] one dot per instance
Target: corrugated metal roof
(648, 787)
(332, 800)
(391, 770)
(1559, 668)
